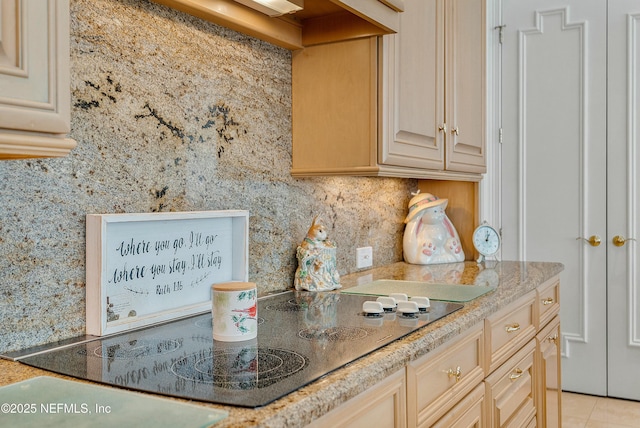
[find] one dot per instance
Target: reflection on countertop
(508, 273)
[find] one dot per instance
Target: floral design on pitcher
(243, 315)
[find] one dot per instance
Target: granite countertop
(318, 398)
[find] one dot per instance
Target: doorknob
(619, 240)
(593, 240)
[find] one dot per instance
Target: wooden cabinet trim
(20, 145)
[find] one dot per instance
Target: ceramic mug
(235, 311)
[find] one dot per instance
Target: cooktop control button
(422, 302)
(408, 308)
(388, 303)
(372, 309)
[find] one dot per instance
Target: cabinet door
(34, 78)
(549, 397)
(335, 102)
(465, 85)
(433, 108)
(413, 89)
(511, 390)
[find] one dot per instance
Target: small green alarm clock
(486, 241)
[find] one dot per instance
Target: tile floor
(587, 411)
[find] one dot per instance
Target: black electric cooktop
(302, 336)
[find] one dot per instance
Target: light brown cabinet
(502, 372)
(34, 79)
(334, 90)
(383, 405)
(434, 87)
(373, 106)
(510, 390)
(549, 390)
(548, 355)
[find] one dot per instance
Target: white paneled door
(623, 139)
(569, 184)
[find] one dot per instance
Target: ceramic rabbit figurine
(429, 236)
(316, 261)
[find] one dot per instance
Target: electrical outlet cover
(364, 257)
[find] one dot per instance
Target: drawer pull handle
(548, 301)
(457, 373)
(518, 373)
(512, 328)
(553, 339)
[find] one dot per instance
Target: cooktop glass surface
(302, 336)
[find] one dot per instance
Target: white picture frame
(147, 268)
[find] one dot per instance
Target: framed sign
(144, 269)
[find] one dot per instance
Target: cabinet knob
(512, 328)
(553, 339)
(457, 373)
(455, 131)
(620, 240)
(443, 128)
(548, 301)
(594, 240)
(516, 374)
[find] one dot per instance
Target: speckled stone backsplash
(171, 113)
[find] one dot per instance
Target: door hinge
(500, 135)
(499, 28)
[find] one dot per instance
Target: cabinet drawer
(443, 377)
(468, 413)
(382, 405)
(511, 388)
(509, 329)
(548, 301)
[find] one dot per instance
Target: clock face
(486, 240)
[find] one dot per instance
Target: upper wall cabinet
(319, 21)
(34, 79)
(409, 104)
(335, 107)
(434, 87)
